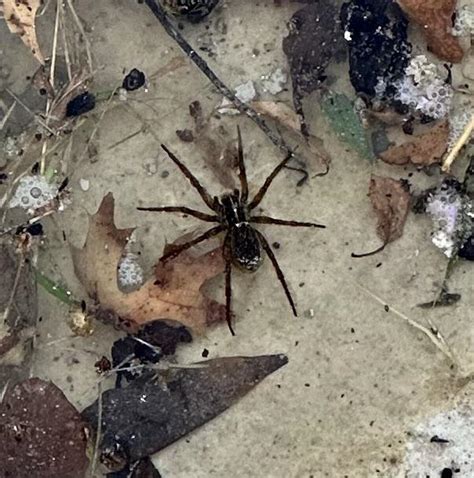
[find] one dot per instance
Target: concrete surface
(360, 380)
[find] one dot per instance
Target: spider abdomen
(245, 247)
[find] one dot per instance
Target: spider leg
(279, 272)
(262, 191)
(228, 282)
(178, 249)
(206, 197)
(244, 186)
(184, 210)
(283, 222)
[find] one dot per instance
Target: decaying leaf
(314, 37)
(20, 19)
(143, 468)
(279, 112)
(424, 150)
(18, 314)
(435, 18)
(173, 293)
(391, 202)
(340, 112)
(445, 299)
(158, 409)
(42, 434)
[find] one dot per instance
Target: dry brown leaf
(391, 202)
(20, 18)
(173, 293)
(279, 112)
(424, 150)
(435, 18)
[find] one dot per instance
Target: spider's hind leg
(228, 282)
(281, 277)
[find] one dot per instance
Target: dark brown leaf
(42, 434)
(18, 311)
(154, 411)
(424, 150)
(315, 36)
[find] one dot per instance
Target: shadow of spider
(243, 243)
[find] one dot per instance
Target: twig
(99, 430)
(96, 126)
(19, 269)
(83, 33)
(55, 44)
(432, 333)
(162, 17)
(464, 138)
(7, 115)
(35, 116)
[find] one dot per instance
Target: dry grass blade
(465, 137)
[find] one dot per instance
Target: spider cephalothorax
(243, 244)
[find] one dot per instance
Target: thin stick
(83, 33)
(464, 138)
(19, 269)
(162, 17)
(96, 126)
(35, 116)
(65, 42)
(7, 115)
(55, 44)
(434, 335)
(99, 430)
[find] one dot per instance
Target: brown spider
(243, 243)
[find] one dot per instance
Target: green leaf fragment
(339, 110)
(55, 289)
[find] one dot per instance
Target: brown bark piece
(435, 19)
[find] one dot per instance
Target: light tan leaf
(279, 112)
(174, 293)
(424, 150)
(20, 18)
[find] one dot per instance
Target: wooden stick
(464, 138)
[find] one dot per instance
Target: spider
(243, 244)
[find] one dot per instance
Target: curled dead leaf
(391, 202)
(173, 293)
(20, 19)
(435, 17)
(424, 150)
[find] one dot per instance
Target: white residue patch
(423, 89)
(129, 273)
(452, 214)
(32, 193)
(244, 92)
(275, 82)
(427, 456)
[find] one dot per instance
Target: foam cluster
(464, 23)
(423, 90)
(33, 192)
(452, 214)
(129, 273)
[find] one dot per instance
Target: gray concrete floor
(360, 380)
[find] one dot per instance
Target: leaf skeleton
(243, 244)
